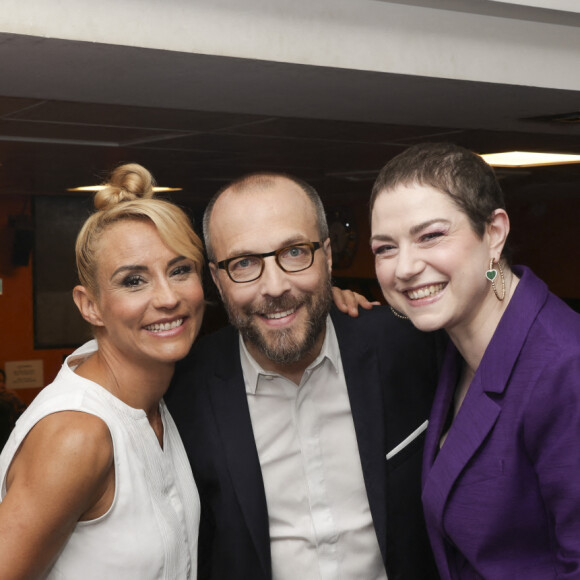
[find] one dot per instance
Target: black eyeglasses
(248, 268)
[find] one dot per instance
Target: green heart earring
(491, 275)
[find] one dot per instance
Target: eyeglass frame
(223, 264)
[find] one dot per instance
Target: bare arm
(348, 301)
(62, 473)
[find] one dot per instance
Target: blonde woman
(95, 480)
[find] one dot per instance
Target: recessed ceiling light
(99, 187)
(528, 159)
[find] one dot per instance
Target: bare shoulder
(69, 446)
(63, 471)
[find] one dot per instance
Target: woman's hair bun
(127, 182)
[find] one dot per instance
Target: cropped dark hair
(453, 170)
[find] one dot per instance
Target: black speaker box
(22, 244)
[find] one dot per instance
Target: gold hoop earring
(491, 275)
(398, 314)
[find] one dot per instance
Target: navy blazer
(391, 373)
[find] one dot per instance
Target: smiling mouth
(425, 292)
(276, 315)
(164, 326)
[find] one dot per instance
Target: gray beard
(283, 347)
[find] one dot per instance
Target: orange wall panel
(16, 304)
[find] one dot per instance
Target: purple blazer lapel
(481, 407)
(440, 408)
(472, 425)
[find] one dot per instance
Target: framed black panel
(57, 220)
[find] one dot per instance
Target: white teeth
(424, 292)
(280, 314)
(164, 326)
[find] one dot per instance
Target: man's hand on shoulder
(349, 302)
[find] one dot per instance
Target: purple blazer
(502, 496)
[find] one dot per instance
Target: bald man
(304, 426)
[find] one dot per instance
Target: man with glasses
(303, 425)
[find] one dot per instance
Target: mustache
(277, 304)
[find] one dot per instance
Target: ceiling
(71, 111)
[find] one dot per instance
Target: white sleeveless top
(150, 532)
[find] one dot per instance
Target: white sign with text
(24, 374)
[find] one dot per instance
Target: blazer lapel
(363, 382)
(473, 423)
(439, 411)
(479, 411)
(232, 414)
(441, 468)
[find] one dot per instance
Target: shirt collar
(252, 371)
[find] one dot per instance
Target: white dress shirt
(320, 521)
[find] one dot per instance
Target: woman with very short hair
(501, 467)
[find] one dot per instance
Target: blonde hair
(129, 195)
